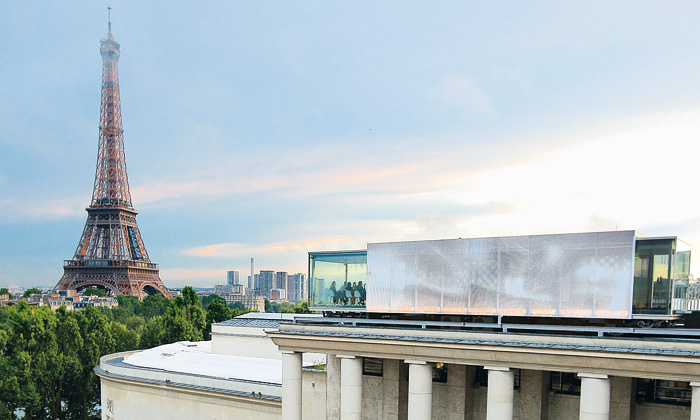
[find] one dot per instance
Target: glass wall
(338, 279)
(653, 273)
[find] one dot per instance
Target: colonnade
(594, 400)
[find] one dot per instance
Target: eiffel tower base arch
(124, 280)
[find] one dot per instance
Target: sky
(271, 129)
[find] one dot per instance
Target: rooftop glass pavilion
(596, 275)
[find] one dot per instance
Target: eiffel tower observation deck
(111, 254)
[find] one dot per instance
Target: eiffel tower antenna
(111, 254)
(109, 21)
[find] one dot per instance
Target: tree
(153, 306)
(4, 291)
(237, 306)
(93, 291)
(206, 300)
(184, 319)
(30, 292)
(84, 391)
(216, 312)
(58, 363)
(151, 334)
(302, 308)
(124, 339)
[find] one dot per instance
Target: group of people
(349, 293)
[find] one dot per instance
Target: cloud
(191, 273)
(22, 209)
(235, 250)
(460, 92)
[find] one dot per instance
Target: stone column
(332, 387)
(350, 388)
(291, 385)
(420, 390)
(595, 397)
(499, 404)
(695, 401)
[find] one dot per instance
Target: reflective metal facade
(569, 275)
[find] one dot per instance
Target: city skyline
(269, 131)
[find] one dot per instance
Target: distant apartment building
(278, 294)
(281, 280)
(70, 299)
(253, 303)
(233, 278)
(267, 282)
(254, 286)
(297, 291)
(236, 289)
(263, 283)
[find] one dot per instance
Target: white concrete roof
(196, 358)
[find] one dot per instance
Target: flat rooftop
(196, 358)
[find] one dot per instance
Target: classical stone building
(425, 372)
(586, 326)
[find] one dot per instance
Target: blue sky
(270, 129)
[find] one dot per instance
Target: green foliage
(217, 311)
(184, 319)
(150, 334)
(286, 307)
(47, 358)
(32, 291)
(237, 306)
(95, 292)
(206, 300)
(302, 308)
(153, 306)
(4, 291)
(125, 339)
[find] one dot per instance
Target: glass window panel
(566, 383)
(372, 366)
(664, 391)
(653, 271)
(338, 279)
(440, 373)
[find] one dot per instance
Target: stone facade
(460, 396)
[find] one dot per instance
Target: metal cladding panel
(514, 263)
(570, 275)
(614, 274)
(578, 274)
(544, 277)
(379, 294)
(483, 286)
(454, 275)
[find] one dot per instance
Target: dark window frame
(372, 366)
(663, 391)
(565, 383)
(440, 373)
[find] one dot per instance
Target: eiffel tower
(111, 254)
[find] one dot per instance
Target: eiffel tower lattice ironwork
(111, 254)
